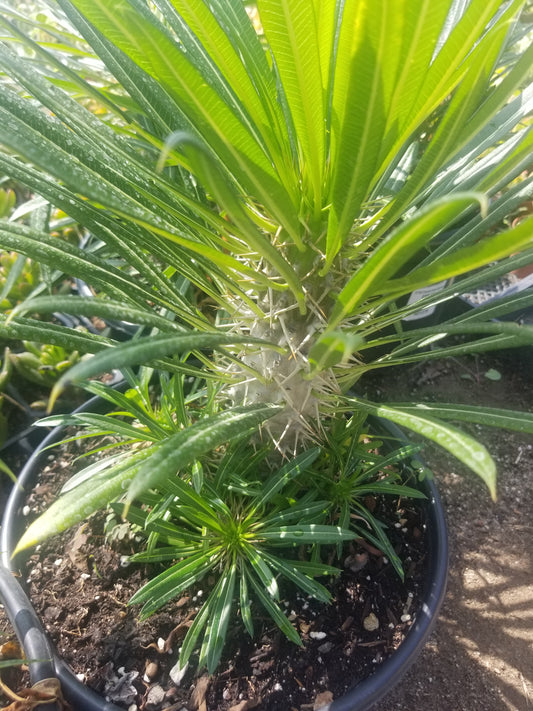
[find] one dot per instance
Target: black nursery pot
(361, 697)
(18, 607)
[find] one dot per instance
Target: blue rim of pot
(361, 697)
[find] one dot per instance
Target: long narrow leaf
(357, 94)
(293, 468)
(154, 51)
(163, 461)
(219, 618)
(458, 443)
(466, 259)
(293, 573)
(262, 570)
(293, 36)
(397, 250)
(86, 306)
(79, 503)
(181, 449)
(275, 613)
(173, 581)
(141, 351)
(245, 602)
(306, 533)
(491, 417)
(21, 329)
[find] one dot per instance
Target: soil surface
(480, 656)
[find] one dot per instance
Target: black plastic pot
(18, 607)
(360, 698)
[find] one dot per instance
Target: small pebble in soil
(356, 562)
(323, 700)
(155, 697)
(371, 622)
(151, 671)
(317, 635)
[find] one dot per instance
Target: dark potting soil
(80, 585)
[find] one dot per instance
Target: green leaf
(289, 471)
(172, 534)
(82, 501)
(388, 488)
(219, 617)
(21, 329)
(473, 77)
(163, 554)
(228, 44)
(305, 533)
(102, 425)
(374, 532)
(138, 35)
(143, 470)
(172, 582)
(262, 570)
(143, 350)
(275, 613)
(88, 306)
(245, 603)
(418, 27)
(418, 339)
(492, 417)
(332, 348)
(59, 254)
(294, 36)
(466, 259)
(314, 568)
(181, 449)
(4, 468)
(458, 443)
(500, 207)
(28, 130)
(6, 663)
(191, 638)
(294, 574)
(301, 511)
(398, 249)
(358, 112)
(227, 197)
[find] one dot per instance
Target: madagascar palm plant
(263, 187)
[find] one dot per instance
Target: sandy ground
(480, 656)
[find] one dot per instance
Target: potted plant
(269, 183)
